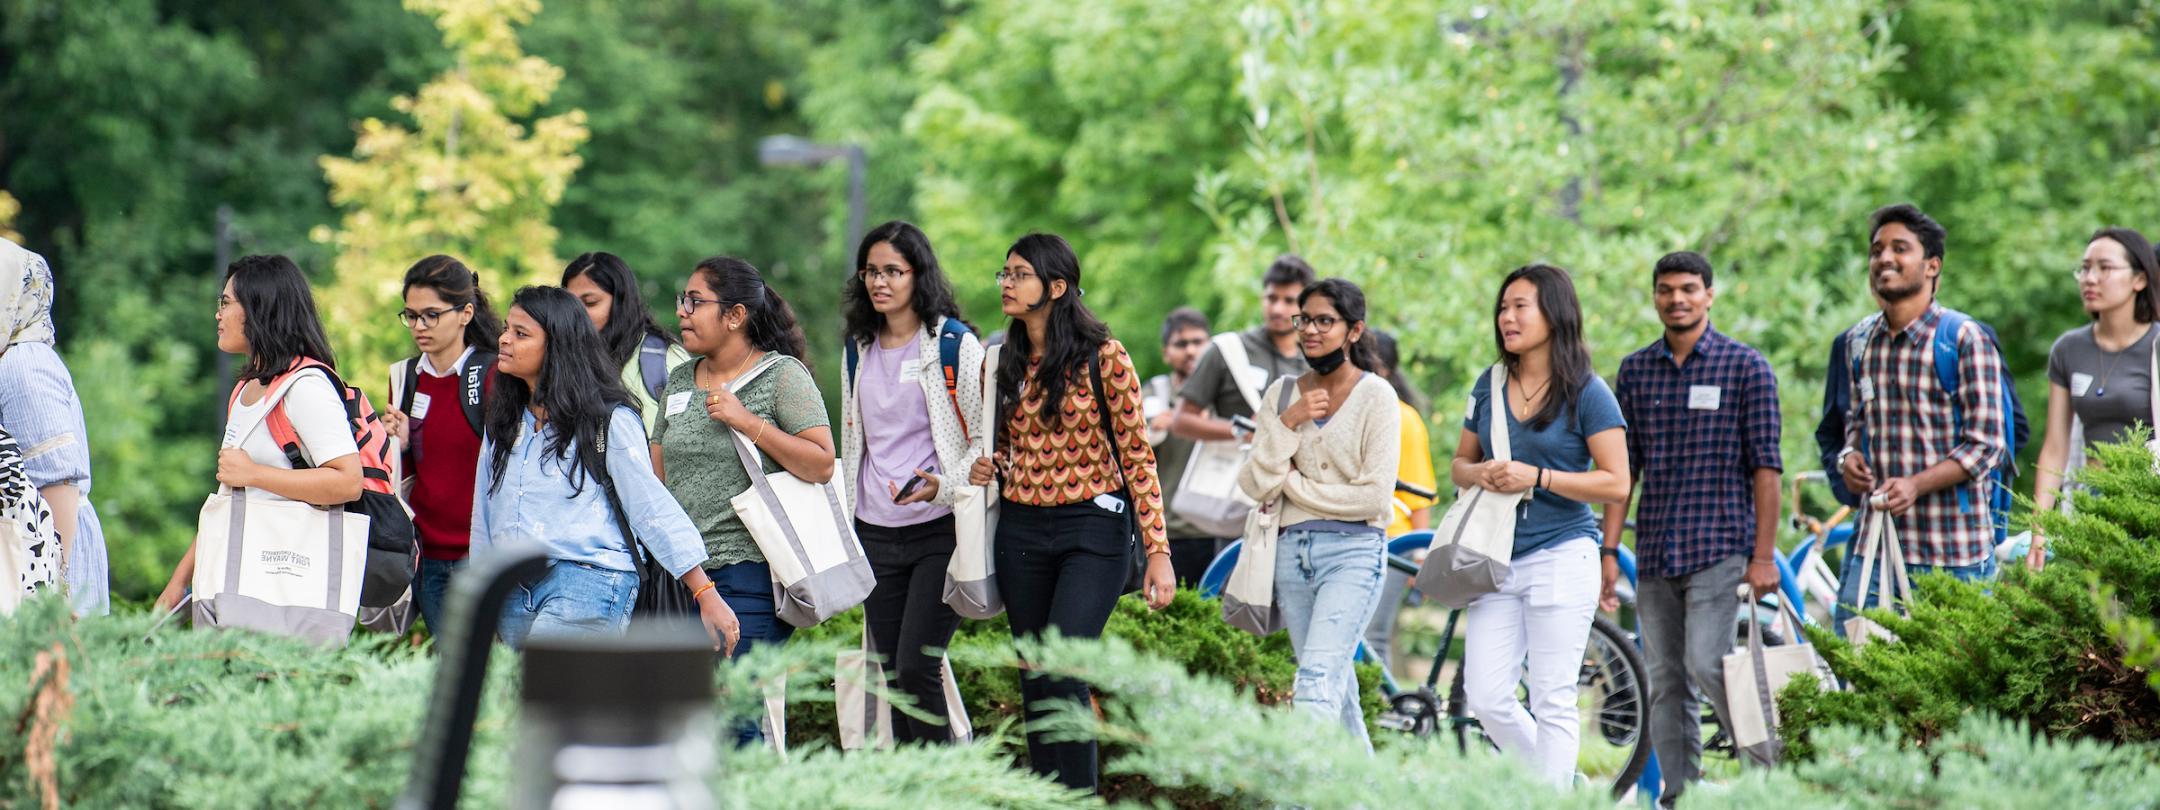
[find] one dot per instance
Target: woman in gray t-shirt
(2100, 374)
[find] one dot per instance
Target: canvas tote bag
(1754, 676)
(865, 717)
(276, 565)
(802, 528)
(1893, 587)
(1475, 541)
(1248, 599)
(1208, 496)
(971, 575)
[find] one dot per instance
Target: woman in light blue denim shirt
(555, 395)
(39, 405)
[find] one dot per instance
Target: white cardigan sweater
(955, 450)
(1344, 471)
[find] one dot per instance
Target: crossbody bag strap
(1102, 412)
(607, 490)
(1497, 415)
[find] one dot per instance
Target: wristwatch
(1609, 551)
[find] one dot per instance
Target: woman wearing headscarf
(39, 405)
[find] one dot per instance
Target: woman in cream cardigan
(1330, 455)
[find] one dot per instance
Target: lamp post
(795, 150)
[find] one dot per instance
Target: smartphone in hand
(914, 482)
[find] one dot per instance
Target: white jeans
(1541, 614)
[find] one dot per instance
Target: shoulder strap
(850, 357)
(989, 406)
(281, 427)
(950, 332)
(652, 364)
(1496, 413)
(607, 490)
(1946, 359)
(1289, 389)
(407, 373)
(1102, 411)
(771, 359)
(474, 374)
(1238, 364)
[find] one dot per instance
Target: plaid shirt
(1698, 432)
(1909, 424)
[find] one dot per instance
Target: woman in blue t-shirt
(1570, 445)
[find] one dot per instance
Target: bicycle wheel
(1614, 692)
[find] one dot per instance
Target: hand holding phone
(920, 487)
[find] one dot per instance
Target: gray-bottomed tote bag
(1475, 541)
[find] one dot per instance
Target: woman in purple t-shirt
(905, 449)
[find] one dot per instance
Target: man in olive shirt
(1184, 336)
(1211, 395)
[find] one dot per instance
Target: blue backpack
(950, 330)
(1946, 374)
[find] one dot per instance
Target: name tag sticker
(1702, 397)
(1867, 389)
(419, 406)
(2080, 383)
(911, 372)
(678, 402)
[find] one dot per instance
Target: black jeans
(1061, 567)
(1190, 558)
(906, 614)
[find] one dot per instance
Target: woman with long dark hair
(435, 412)
(1569, 446)
(1330, 456)
(266, 313)
(566, 469)
(1078, 480)
(2100, 374)
(735, 324)
(631, 339)
(913, 380)
(1412, 511)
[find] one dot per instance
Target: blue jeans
(1327, 584)
(1850, 586)
(431, 587)
(571, 598)
(747, 588)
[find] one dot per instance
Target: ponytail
(459, 286)
(772, 325)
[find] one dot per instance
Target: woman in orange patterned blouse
(1080, 496)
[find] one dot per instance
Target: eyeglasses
(1188, 343)
(889, 274)
(424, 319)
(2096, 271)
(1014, 276)
(689, 303)
(1318, 323)
(224, 301)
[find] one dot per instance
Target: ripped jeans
(1327, 583)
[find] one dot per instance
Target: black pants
(906, 614)
(1190, 557)
(1061, 567)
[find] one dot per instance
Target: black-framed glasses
(424, 319)
(686, 302)
(889, 274)
(1319, 323)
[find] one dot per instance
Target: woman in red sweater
(435, 414)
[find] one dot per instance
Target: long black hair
(1073, 334)
(772, 326)
(1349, 304)
(2147, 306)
(933, 297)
(1563, 316)
(578, 392)
(629, 320)
(278, 316)
(1390, 355)
(458, 285)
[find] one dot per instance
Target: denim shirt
(535, 503)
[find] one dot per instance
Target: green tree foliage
(468, 180)
(2034, 647)
(1085, 119)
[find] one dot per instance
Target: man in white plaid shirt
(1905, 444)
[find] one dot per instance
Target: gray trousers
(1687, 628)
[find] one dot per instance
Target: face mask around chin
(1327, 363)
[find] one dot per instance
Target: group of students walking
(573, 423)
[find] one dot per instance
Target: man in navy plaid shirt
(1904, 445)
(1703, 443)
